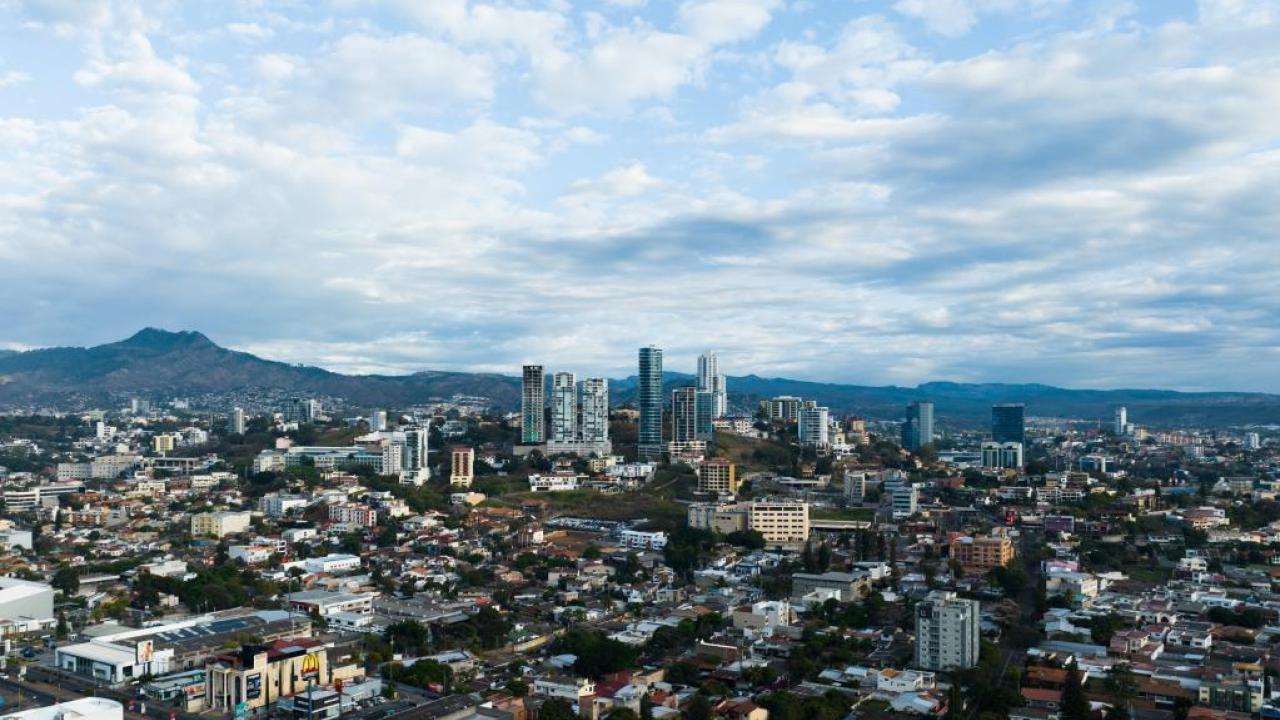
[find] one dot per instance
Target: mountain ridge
(164, 363)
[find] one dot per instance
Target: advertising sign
(253, 686)
(311, 667)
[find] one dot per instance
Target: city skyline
(882, 192)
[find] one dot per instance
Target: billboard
(143, 651)
(253, 686)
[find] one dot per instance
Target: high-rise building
(414, 466)
(813, 429)
(564, 408)
(711, 380)
(236, 425)
(684, 414)
(649, 396)
(462, 466)
(1252, 441)
(532, 402)
(595, 410)
(946, 632)
(917, 431)
(378, 422)
(692, 413)
(905, 501)
(1121, 426)
(1008, 423)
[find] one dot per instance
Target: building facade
(1008, 423)
(532, 402)
(946, 632)
(917, 431)
(649, 397)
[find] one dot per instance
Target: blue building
(649, 398)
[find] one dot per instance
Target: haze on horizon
(1079, 193)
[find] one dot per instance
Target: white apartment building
(555, 482)
(946, 632)
(353, 514)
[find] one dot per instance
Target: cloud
(816, 190)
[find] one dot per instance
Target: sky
(1076, 192)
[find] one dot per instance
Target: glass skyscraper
(1008, 423)
(917, 431)
(649, 398)
(564, 408)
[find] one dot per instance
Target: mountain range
(160, 364)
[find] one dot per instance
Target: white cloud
(251, 31)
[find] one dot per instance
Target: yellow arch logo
(311, 665)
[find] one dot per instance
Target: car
(28, 652)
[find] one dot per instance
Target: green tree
(66, 579)
(699, 708)
(1075, 706)
(556, 709)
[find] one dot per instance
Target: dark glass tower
(917, 431)
(1008, 423)
(649, 397)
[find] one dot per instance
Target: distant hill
(161, 364)
(166, 364)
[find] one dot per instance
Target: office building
(711, 380)
(378, 422)
(564, 408)
(531, 406)
(237, 424)
(1007, 455)
(649, 397)
(905, 501)
(691, 415)
(946, 632)
(779, 521)
(813, 429)
(462, 466)
(1008, 423)
(1121, 426)
(917, 431)
(718, 475)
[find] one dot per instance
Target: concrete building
(1005, 455)
(1121, 424)
(847, 587)
(353, 514)
(564, 408)
(462, 466)
(785, 408)
(595, 412)
(219, 524)
(905, 501)
(946, 632)
(259, 675)
(236, 424)
(779, 521)
(979, 555)
(718, 475)
(711, 380)
(813, 428)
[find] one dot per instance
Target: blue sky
(1075, 192)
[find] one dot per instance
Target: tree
(1075, 706)
(646, 707)
(624, 714)
(62, 630)
(556, 709)
(699, 708)
(66, 579)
